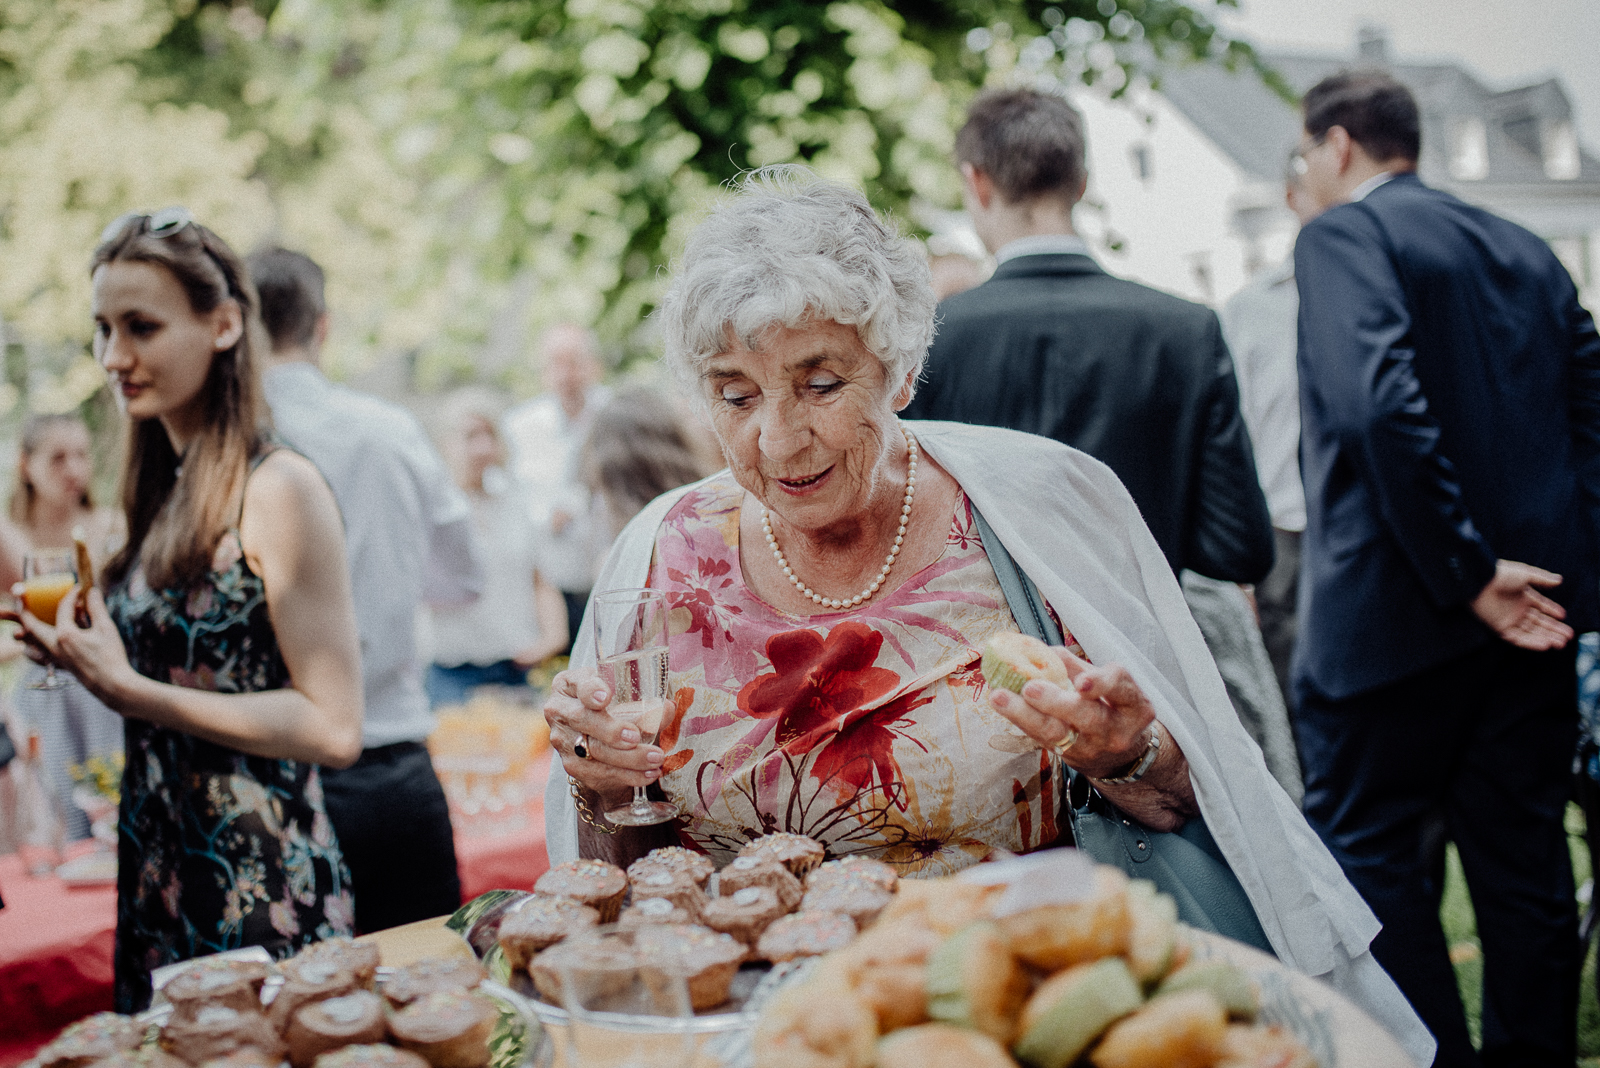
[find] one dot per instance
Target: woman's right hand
(616, 762)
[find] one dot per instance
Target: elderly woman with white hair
(830, 593)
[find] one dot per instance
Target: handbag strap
(1022, 596)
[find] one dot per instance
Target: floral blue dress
(216, 849)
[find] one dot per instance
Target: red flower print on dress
(682, 701)
(700, 598)
(817, 680)
(864, 745)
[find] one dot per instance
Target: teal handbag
(1187, 863)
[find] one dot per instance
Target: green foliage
(457, 164)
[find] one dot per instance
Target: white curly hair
(785, 246)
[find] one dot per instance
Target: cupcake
(449, 1029)
(431, 976)
(850, 896)
(360, 959)
(654, 911)
(91, 1039)
(541, 922)
(593, 954)
(593, 882)
(875, 872)
(156, 1057)
(243, 1057)
(307, 980)
(327, 1024)
(372, 1055)
(215, 1030)
(761, 871)
(676, 887)
(744, 914)
(235, 984)
(674, 859)
(794, 851)
(706, 959)
(805, 934)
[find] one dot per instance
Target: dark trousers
(394, 830)
(1275, 604)
(576, 601)
(1479, 749)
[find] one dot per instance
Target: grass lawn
(1462, 932)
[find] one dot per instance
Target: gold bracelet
(585, 811)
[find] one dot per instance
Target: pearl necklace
(883, 574)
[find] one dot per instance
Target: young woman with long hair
(52, 504)
(226, 638)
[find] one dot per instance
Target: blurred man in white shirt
(544, 435)
(1259, 323)
(409, 537)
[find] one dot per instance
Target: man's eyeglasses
(1297, 158)
(163, 223)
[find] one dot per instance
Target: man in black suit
(1053, 345)
(1450, 447)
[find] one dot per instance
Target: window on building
(1560, 150)
(1143, 161)
(1469, 149)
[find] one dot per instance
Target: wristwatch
(1137, 770)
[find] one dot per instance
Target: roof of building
(1472, 135)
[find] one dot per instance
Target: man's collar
(1360, 192)
(1042, 245)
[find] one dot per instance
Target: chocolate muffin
(654, 911)
(855, 867)
(674, 859)
(794, 851)
(360, 959)
(306, 980)
(597, 884)
(676, 887)
(431, 976)
(744, 914)
(370, 1056)
(449, 1029)
(539, 923)
(706, 959)
(805, 934)
(761, 871)
(235, 984)
(215, 1030)
(856, 898)
(329, 1023)
(91, 1039)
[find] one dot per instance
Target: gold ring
(1066, 743)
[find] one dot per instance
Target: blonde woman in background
(51, 502)
(520, 619)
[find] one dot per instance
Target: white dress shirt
(1260, 324)
(408, 531)
(1042, 245)
(1360, 192)
(503, 622)
(544, 447)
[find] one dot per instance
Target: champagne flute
(47, 576)
(630, 636)
(627, 1006)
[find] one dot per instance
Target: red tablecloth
(56, 942)
(55, 955)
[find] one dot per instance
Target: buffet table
(56, 941)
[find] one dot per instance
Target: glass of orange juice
(47, 576)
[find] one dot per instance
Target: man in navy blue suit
(1450, 404)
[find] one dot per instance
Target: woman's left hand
(1104, 708)
(94, 654)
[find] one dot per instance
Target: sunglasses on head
(163, 223)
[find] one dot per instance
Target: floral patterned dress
(866, 729)
(216, 849)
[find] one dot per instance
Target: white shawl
(1071, 526)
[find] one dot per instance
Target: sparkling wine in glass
(631, 645)
(47, 576)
